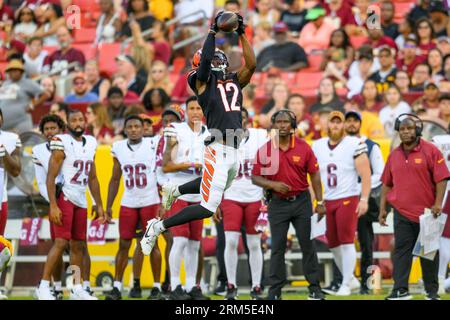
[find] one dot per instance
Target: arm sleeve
(439, 166)
(376, 160)
(209, 47)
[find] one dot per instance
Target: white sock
(118, 285)
(176, 193)
(44, 284)
(231, 255)
(175, 257)
(444, 257)
(157, 285)
(58, 285)
(77, 287)
(337, 255)
(191, 263)
(86, 284)
(159, 227)
(256, 258)
(348, 262)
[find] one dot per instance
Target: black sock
(188, 214)
(191, 187)
(137, 283)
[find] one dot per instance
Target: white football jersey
(41, 157)
(443, 143)
(242, 189)
(190, 148)
(79, 157)
(337, 167)
(11, 141)
(138, 163)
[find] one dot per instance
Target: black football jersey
(221, 102)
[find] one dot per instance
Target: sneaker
(59, 295)
(179, 294)
(89, 291)
(232, 292)
(354, 284)
(149, 239)
(44, 294)
(316, 294)
(81, 295)
(168, 196)
(343, 291)
(432, 296)
(155, 294)
(256, 293)
(331, 289)
(364, 290)
(221, 289)
(114, 294)
(135, 293)
(400, 294)
(196, 294)
(165, 290)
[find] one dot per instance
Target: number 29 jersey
(138, 164)
(337, 166)
(79, 157)
(221, 101)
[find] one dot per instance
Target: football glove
(170, 132)
(241, 28)
(214, 26)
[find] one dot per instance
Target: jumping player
(341, 160)
(241, 205)
(135, 159)
(219, 94)
(73, 155)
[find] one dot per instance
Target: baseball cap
(315, 13)
(336, 114)
(114, 90)
(353, 113)
(19, 46)
(126, 58)
(438, 6)
(175, 110)
(146, 117)
(443, 38)
(15, 65)
(280, 27)
(431, 84)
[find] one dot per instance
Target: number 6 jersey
(337, 166)
(79, 157)
(138, 164)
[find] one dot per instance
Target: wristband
(363, 199)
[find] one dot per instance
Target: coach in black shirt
(284, 54)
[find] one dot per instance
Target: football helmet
(219, 62)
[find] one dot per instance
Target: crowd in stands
(381, 58)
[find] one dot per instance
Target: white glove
(170, 132)
(2, 151)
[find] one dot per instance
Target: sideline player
(10, 145)
(341, 160)
(181, 163)
(134, 159)
(219, 93)
(73, 155)
(240, 206)
(443, 143)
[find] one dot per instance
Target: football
(228, 22)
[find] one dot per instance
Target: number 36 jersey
(242, 189)
(138, 164)
(79, 157)
(337, 166)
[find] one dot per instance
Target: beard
(75, 132)
(335, 136)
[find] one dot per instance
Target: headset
(288, 112)
(416, 120)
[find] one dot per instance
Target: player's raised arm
(247, 70)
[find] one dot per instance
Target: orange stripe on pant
(208, 174)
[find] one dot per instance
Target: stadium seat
(290, 79)
(106, 57)
(401, 10)
(308, 80)
(85, 35)
(90, 52)
(314, 61)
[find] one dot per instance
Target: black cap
(353, 113)
(438, 6)
(114, 90)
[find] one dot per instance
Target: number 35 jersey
(337, 166)
(138, 164)
(79, 157)
(242, 189)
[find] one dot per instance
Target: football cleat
(221, 289)
(135, 293)
(256, 293)
(155, 294)
(232, 292)
(343, 291)
(114, 294)
(354, 284)
(168, 196)
(44, 294)
(59, 295)
(432, 296)
(196, 294)
(331, 289)
(81, 295)
(179, 294)
(149, 239)
(400, 294)
(316, 294)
